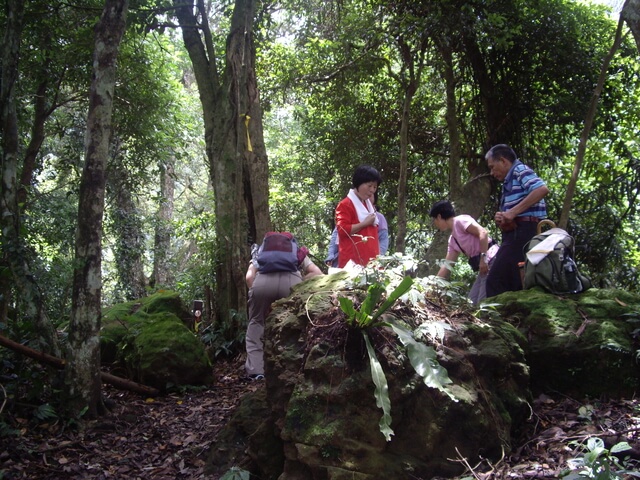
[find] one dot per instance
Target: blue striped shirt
(520, 182)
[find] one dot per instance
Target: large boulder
(580, 345)
(147, 341)
(323, 421)
(320, 392)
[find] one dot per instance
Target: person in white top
(469, 238)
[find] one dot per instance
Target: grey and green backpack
(557, 272)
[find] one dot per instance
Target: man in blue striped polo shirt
(521, 208)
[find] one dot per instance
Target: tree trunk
(45, 359)
(631, 14)
(234, 143)
(412, 64)
(40, 115)
(451, 118)
(588, 122)
(162, 243)
(469, 197)
(130, 247)
(82, 382)
(13, 250)
(401, 227)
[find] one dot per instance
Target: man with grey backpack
(276, 266)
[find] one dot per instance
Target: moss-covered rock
(147, 341)
(582, 345)
(321, 394)
(324, 419)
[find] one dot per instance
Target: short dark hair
(501, 151)
(365, 174)
(444, 209)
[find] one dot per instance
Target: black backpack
(557, 272)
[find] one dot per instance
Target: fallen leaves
(169, 437)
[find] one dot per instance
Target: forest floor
(169, 437)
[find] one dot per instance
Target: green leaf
(620, 447)
(235, 473)
(400, 290)
(423, 359)
(45, 412)
(374, 293)
(346, 305)
(363, 319)
(382, 390)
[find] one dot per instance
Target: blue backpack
(278, 253)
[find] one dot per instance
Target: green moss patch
(583, 344)
(149, 342)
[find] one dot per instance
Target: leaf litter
(169, 437)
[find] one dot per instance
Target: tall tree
(234, 140)
(162, 243)
(127, 225)
(13, 247)
(82, 372)
(411, 53)
(588, 123)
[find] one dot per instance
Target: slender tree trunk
(130, 247)
(413, 63)
(588, 122)
(41, 113)
(471, 196)
(82, 373)
(451, 118)
(234, 143)
(401, 227)
(162, 243)
(13, 249)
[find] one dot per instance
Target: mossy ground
(584, 344)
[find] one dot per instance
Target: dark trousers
(504, 275)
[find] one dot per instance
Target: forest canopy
(420, 90)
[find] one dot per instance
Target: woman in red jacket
(356, 219)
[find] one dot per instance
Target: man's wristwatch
(483, 256)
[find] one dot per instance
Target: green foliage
(365, 316)
(236, 473)
(424, 361)
(45, 412)
(225, 339)
(598, 462)
(381, 392)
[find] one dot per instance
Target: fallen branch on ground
(119, 382)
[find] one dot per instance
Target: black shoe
(255, 376)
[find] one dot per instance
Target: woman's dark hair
(442, 208)
(501, 151)
(365, 174)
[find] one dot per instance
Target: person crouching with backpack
(275, 267)
(469, 238)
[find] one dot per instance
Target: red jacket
(360, 247)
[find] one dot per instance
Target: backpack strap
(459, 246)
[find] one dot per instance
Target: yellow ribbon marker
(246, 124)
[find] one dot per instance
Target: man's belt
(527, 219)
